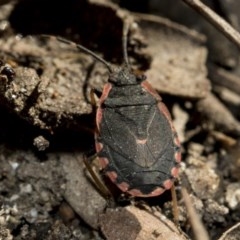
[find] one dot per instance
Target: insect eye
(141, 78)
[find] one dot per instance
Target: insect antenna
(82, 48)
(124, 42)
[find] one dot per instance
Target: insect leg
(93, 94)
(95, 177)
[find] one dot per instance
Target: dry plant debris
(47, 125)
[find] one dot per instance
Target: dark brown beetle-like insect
(136, 142)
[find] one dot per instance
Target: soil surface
(47, 119)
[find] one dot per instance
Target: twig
(196, 223)
(175, 205)
(216, 20)
(225, 79)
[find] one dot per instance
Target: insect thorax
(125, 77)
(130, 95)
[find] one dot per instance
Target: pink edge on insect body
(174, 172)
(103, 162)
(123, 186)
(106, 89)
(146, 85)
(162, 107)
(112, 175)
(178, 157)
(98, 118)
(168, 184)
(99, 114)
(98, 146)
(177, 142)
(158, 191)
(137, 193)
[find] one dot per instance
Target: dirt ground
(47, 121)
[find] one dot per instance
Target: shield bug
(136, 142)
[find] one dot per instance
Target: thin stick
(175, 205)
(215, 20)
(196, 223)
